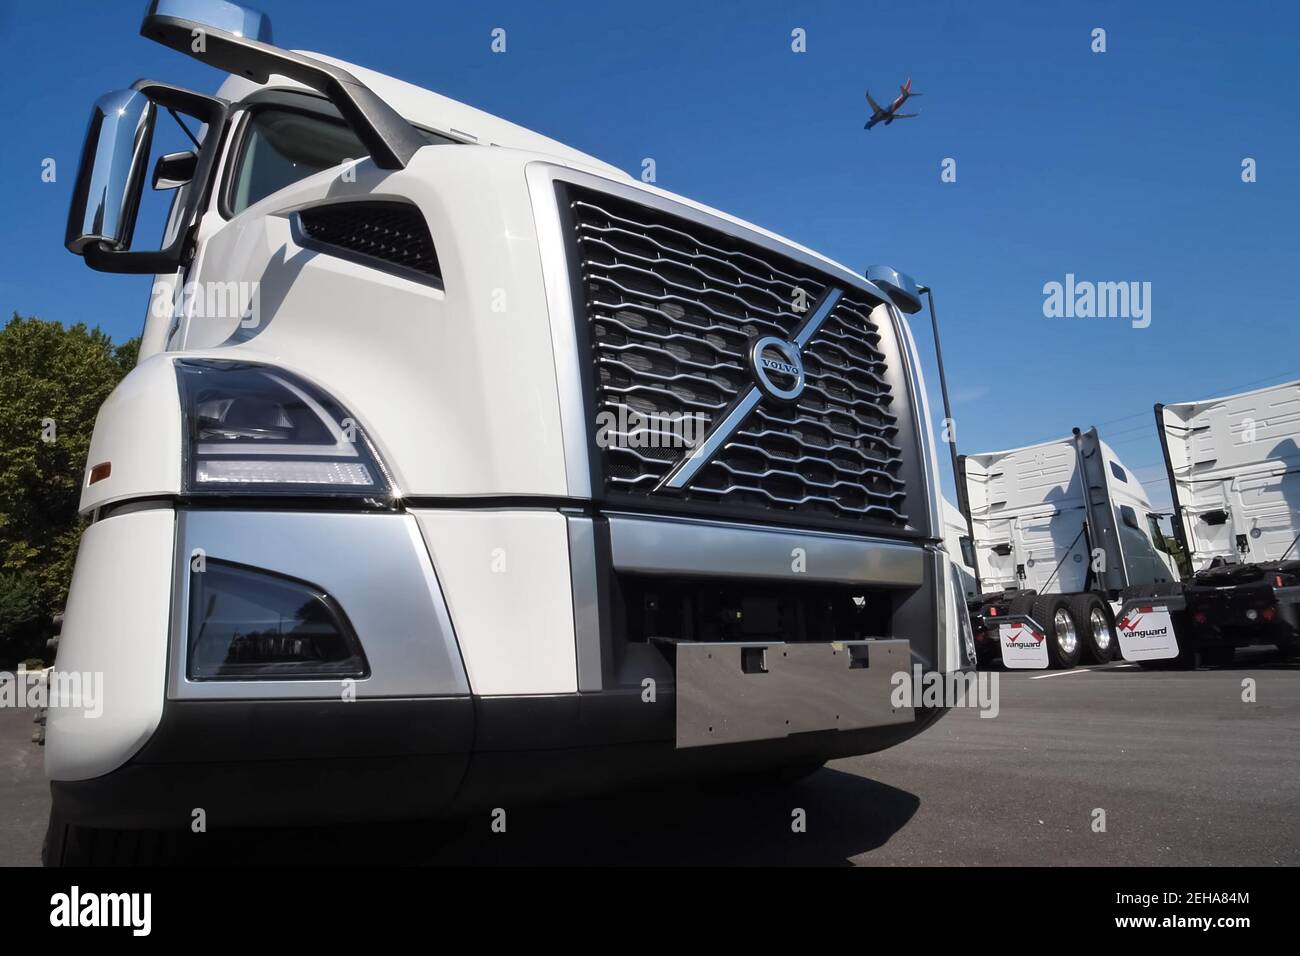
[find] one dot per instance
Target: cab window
(967, 552)
(1129, 517)
(282, 146)
(1157, 535)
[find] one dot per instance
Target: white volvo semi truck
(395, 533)
(1059, 530)
(1234, 474)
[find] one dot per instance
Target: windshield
(282, 146)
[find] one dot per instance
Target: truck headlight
(254, 429)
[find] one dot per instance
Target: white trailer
(1234, 473)
(1060, 529)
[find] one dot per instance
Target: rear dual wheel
(1055, 616)
(1097, 627)
(1052, 612)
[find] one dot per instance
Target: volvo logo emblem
(777, 367)
(773, 360)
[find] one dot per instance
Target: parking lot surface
(1185, 771)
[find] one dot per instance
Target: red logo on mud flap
(1127, 623)
(1017, 633)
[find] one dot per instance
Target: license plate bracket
(743, 691)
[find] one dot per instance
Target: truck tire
(1023, 603)
(1054, 615)
(69, 845)
(1097, 627)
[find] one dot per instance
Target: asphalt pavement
(1185, 771)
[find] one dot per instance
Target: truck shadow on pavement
(845, 815)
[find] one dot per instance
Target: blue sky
(1119, 166)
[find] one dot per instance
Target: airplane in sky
(887, 114)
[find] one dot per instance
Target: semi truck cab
(460, 468)
(1062, 531)
(1234, 473)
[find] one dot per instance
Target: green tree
(52, 382)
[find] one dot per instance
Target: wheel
(1022, 603)
(1097, 625)
(1053, 614)
(69, 845)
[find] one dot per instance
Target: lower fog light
(249, 624)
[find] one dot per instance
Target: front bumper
(419, 736)
(302, 763)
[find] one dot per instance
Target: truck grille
(670, 308)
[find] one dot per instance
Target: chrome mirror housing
(232, 18)
(106, 194)
(114, 167)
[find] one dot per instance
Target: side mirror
(106, 195)
(114, 165)
(174, 169)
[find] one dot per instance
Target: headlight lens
(259, 430)
(248, 624)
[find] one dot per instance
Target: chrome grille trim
(671, 305)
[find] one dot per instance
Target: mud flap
(1146, 628)
(731, 692)
(1023, 642)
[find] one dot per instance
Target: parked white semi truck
(1059, 530)
(384, 538)
(1234, 473)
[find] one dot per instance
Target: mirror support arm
(390, 139)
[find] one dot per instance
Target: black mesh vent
(392, 232)
(670, 308)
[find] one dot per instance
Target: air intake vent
(386, 235)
